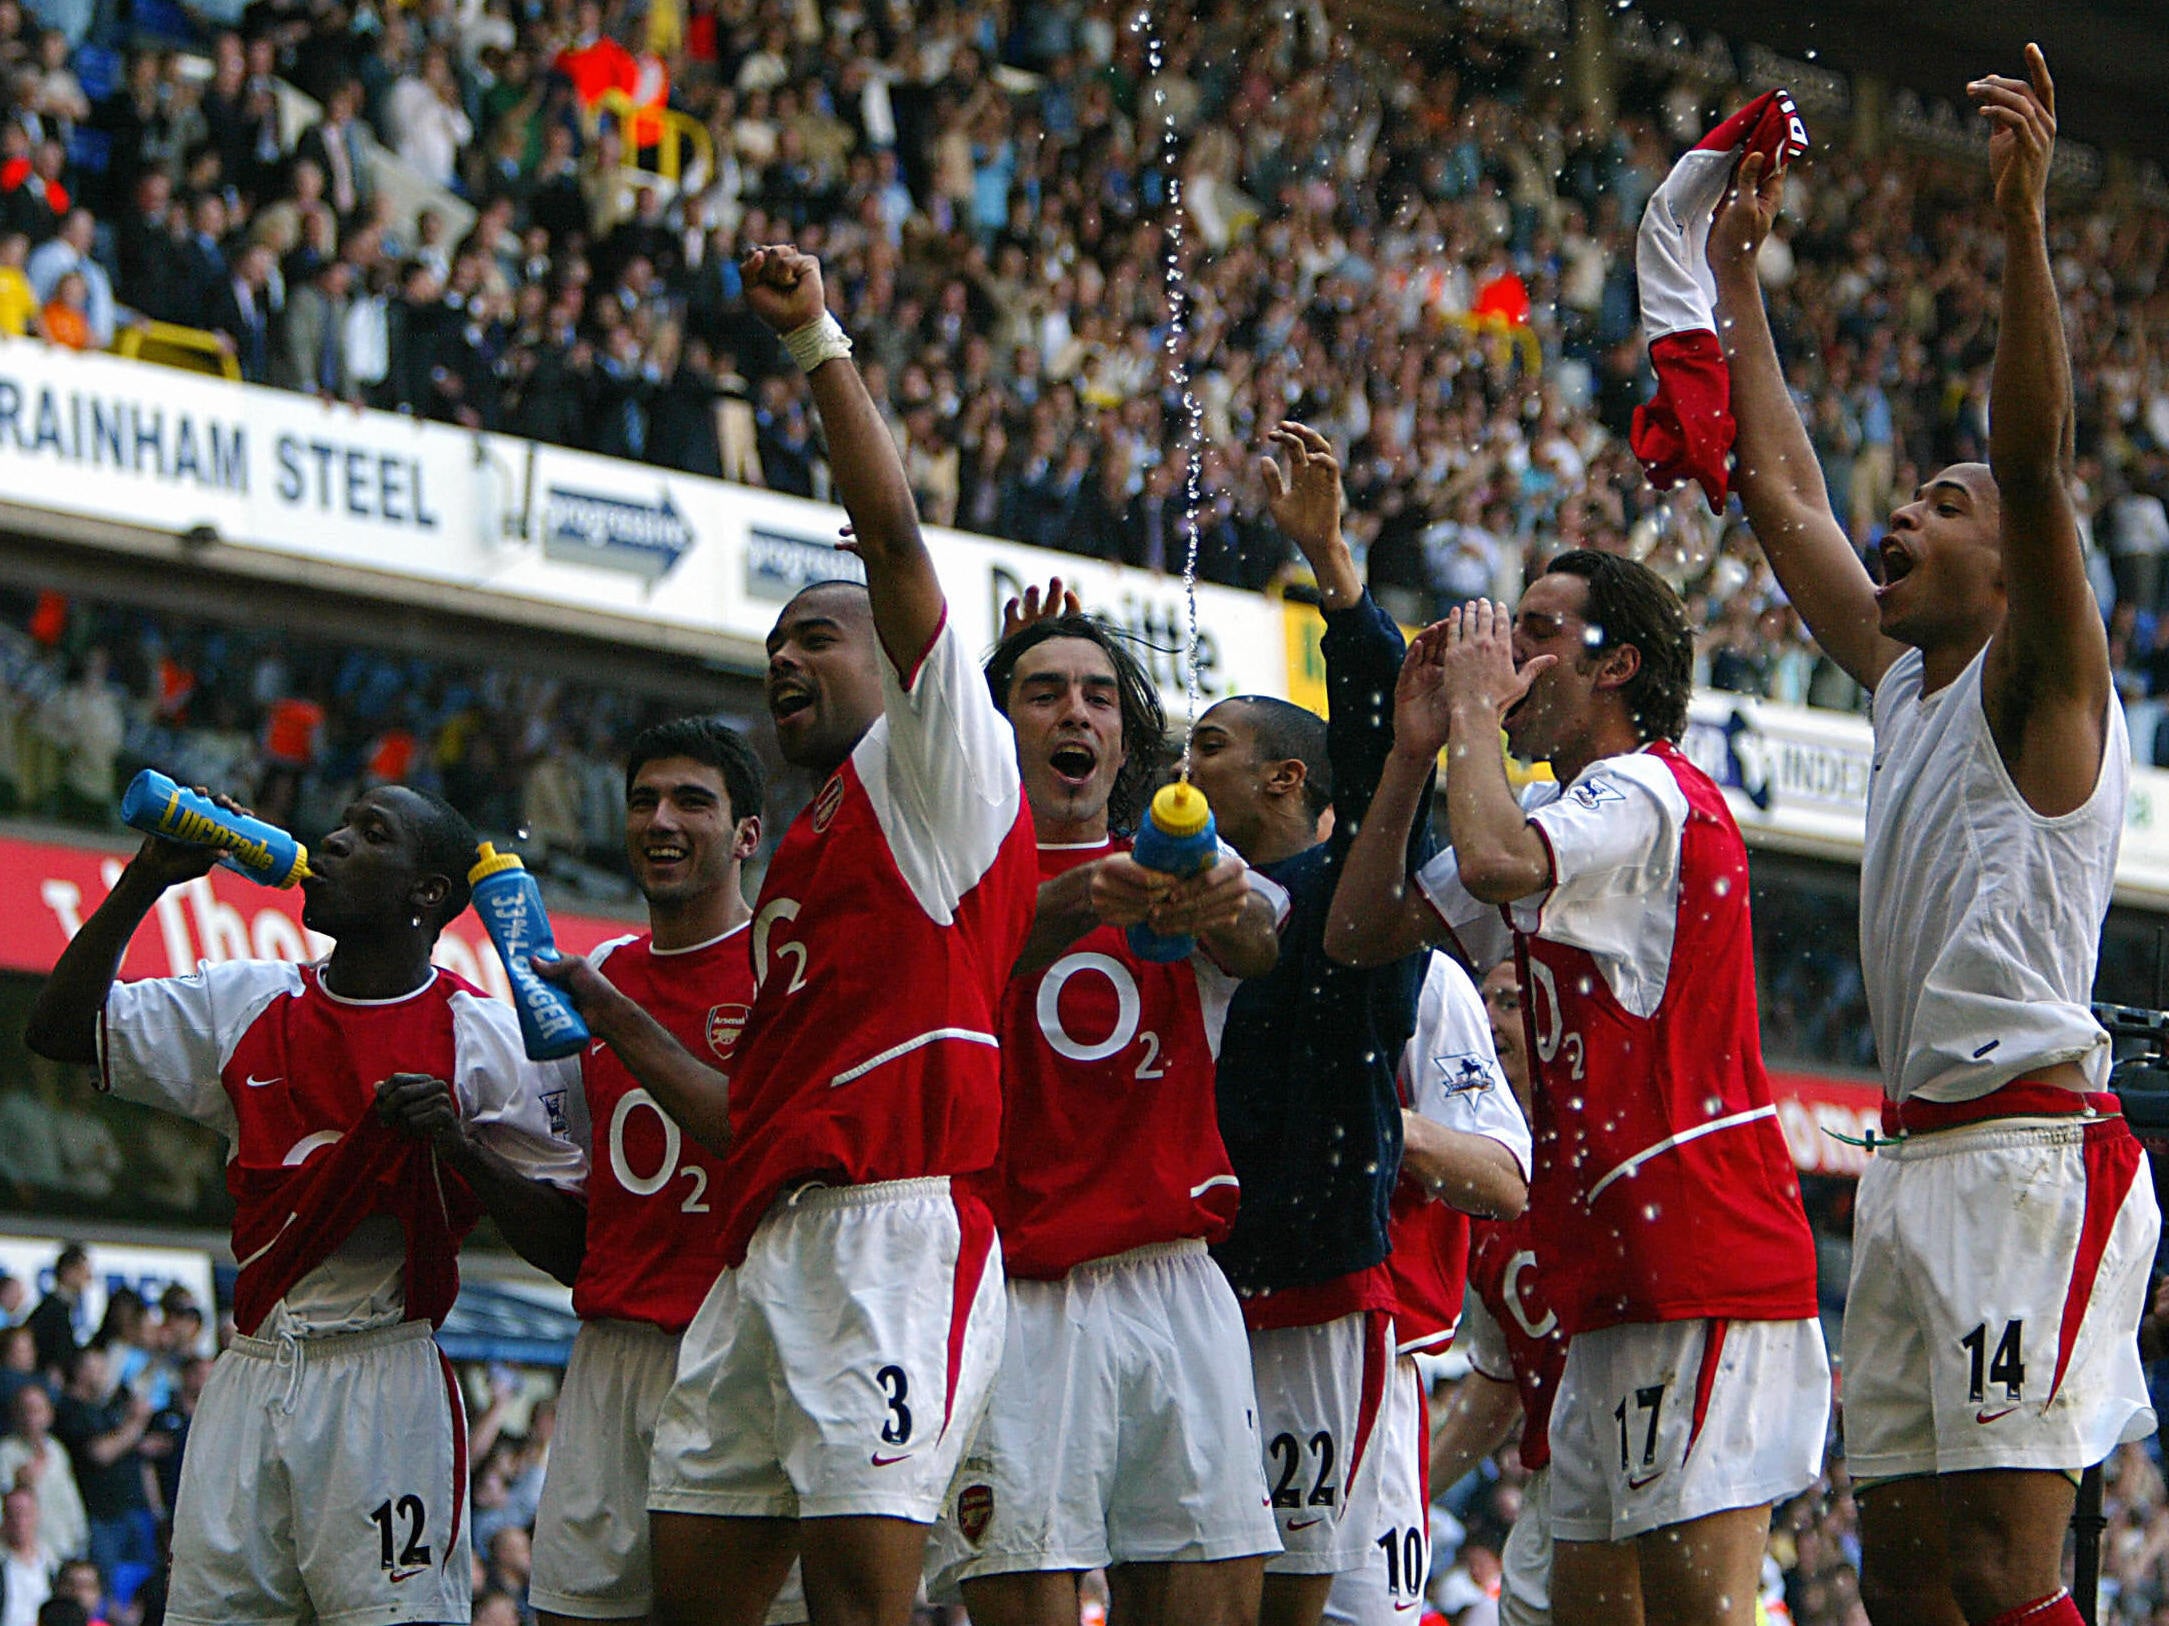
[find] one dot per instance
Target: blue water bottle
(510, 904)
(1177, 838)
(263, 852)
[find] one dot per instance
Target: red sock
(2059, 1608)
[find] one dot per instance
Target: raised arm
(1774, 466)
(1378, 913)
(63, 1023)
(784, 288)
(2047, 682)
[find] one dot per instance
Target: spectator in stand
(27, 1564)
(66, 252)
(334, 146)
(55, 1325)
(78, 1584)
(103, 1428)
(30, 1457)
(18, 1370)
(245, 312)
(18, 301)
(65, 319)
(428, 123)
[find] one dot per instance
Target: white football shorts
(1657, 1423)
(326, 1479)
(844, 1366)
(592, 1560)
(1321, 1397)
(1123, 1427)
(1389, 1587)
(1999, 1273)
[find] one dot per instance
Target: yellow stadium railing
(1507, 337)
(679, 133)
(168, 344)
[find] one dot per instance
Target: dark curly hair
(1144, 721)
(1630, 604)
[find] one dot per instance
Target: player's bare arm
(1478, 1417)
(2046, 683)
(1473, 1173)
(1305, 499)
(783, 286)
(1378, 914)
(1775, 470)
(545, 1225)
(63, 1023)
(1220, 907)
(1234, 922)
(692, 1092)
(1114, 891)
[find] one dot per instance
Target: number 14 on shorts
(2003, 1369)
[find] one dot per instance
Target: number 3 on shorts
(896, 1387)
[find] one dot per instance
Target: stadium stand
(528, 219)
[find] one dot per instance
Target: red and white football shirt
(1449, 1074)
(263, 1053)
(1512, 1335)
(1662, 1174)
(653, 1245)
(1110, 1134)
(885, 933)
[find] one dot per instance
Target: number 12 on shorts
(411, 1556)
(2005, 1367)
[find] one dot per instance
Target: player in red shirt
(1122, 1433)
(1697, 1387)
(326, 1473)
(843, 1357)
(693, 792)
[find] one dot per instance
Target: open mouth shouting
(1073, 763)
(787, 697)
(1892, 563)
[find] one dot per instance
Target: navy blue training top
(1309, 1109)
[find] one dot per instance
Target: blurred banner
(268, 482)
(47, 891)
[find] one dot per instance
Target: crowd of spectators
(988, 185)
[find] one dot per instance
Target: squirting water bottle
(1177, 838)
(510, 904)
(263, 852)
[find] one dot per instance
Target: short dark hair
(1286, 732)
(62, 1610)
(1631, 605)
(711, 742)
(447, 845)
(73, 1254)
(1144, 720)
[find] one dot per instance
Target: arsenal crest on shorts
(725, 1023)
(975, 1511)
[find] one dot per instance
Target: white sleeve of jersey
(164, 1041)
(940, 765)
(1450, 1069)
(1614, 836)
(516, 1107)
(1478, 929)
(1480, 1339)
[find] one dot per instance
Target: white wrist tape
(822, 339)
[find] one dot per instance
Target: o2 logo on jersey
(647, 1185)
(826, 804)
(1548, 1022)
(779, 911)
(725, 1024)
(1129, 1011)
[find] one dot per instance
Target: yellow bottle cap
(1180, 809)
(489, 861)
(299, 871)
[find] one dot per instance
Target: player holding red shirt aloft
(1122, 1434)
(693, 792)
(2004, 1236)
(1697, 1388)
(843, 1358)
